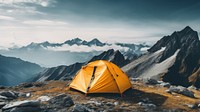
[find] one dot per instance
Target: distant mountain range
(75, 41)
(14, 70)
(174, 59)
(71, 51)
(78, 42)
(68, 72)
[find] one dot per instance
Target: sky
(132, 21)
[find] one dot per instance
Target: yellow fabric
(108, 78)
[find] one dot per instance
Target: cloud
(43, 3)
(24, 7)
(83, 48)
(44, 23)
(2, 17)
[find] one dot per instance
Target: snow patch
(43, 78)
(144, 49)
(159, 68)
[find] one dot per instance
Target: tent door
(93, 77)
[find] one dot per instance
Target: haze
(26, 21)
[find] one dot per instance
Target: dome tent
(101, 77)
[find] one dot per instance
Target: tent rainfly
(101, 77)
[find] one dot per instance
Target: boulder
(62, 100)
(25, 103)
(9, 94)
(181, 90)
(26, 109)
(80, 108)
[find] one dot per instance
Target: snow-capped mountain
(78, 41)
(71, 51)
(174, 58)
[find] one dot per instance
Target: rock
(26, 109)
(116, 103)
(26, 85)
(135, 79)
(168, 91)
(80, 108)
(2, 104)
(24, 95)
(149, 106)
(192, 87)
(39, 84)
(192, 106)
(165, 84)
(94, 102)
(198, 106)
(181, 90)
(151, 81)
(25, 103)
(146, 100)
(43, 98)
(2, 87)
(109, 104)
(3, 98)
(28, 95)
(9, 94)
(62, 100)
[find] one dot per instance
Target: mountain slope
(14, 71)
(174, 59)
(67, 72)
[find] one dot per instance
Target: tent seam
(114, 79)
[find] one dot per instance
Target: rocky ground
(55, 96)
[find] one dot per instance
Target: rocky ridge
(173, 57)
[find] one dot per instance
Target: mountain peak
(96, 42)
(187, 28)
(76, 39)
(176, 40)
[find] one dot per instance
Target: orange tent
(101, 77)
